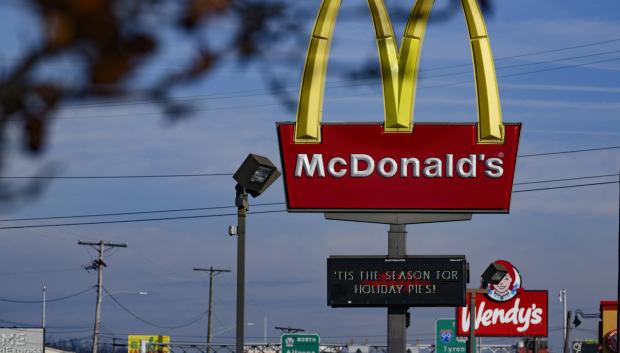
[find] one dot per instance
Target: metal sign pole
(472, 322)
(396, 316)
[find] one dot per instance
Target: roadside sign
(507, 309)
(446, 340)
(154, 344)
(300, 343)
(18, 340)
(376, 281)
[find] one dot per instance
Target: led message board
(376, 281)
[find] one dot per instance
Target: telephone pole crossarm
(212, 273)
(99, 264)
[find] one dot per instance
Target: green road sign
(446, 340)
(300, 343)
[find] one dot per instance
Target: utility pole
(212, 273)
(43, 313)
(566, 345)
(99, 264)
(562, 298)
(44, 302)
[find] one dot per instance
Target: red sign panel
(438, 167)
(525, 315)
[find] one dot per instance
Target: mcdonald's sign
(398, 166)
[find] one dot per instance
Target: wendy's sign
(507, 309)
(396, 166)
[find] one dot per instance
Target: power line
(133, 220)
(38, 272)
(550, 61)
(121, 176)
(533, 53)
(134, 315)
(48, 300)
(133, 213)
(232, 206)
(244, 93)
(566, 179)
(38, 325)
(153, 176)
(569, 151)
(528, 72)
(234, 214)
(423, 84)
(567, 186)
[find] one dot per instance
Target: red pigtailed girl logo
(509, 285)
(611, 340)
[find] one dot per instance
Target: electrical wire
(566, 179)
(38, 325)
(254, 205)
(134, 213)
(569, 151)
(524, 73)
(229, 174)
(48, 300)
(348, 85)
(253, 106)
(551, 61)
(567, 186)
(534, 53)
(276, 203)
(201, 175)
(243, 94)
(39, 271)
(134, 220)
(256, 212)
(134, 315)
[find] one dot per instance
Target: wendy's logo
(505, 283)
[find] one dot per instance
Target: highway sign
(300, 343)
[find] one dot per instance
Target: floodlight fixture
(256, 174)
(493, 274)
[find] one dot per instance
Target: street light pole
(253, 177)
(241, 201)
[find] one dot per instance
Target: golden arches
(399, 70)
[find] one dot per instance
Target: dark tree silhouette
(111, 40)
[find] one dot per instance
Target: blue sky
(558, 239)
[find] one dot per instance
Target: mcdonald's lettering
(398, 165)
(363, 165)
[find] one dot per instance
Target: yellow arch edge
(310, 108)
(490, 126)
(399, 70)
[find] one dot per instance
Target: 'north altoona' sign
(376, 281)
